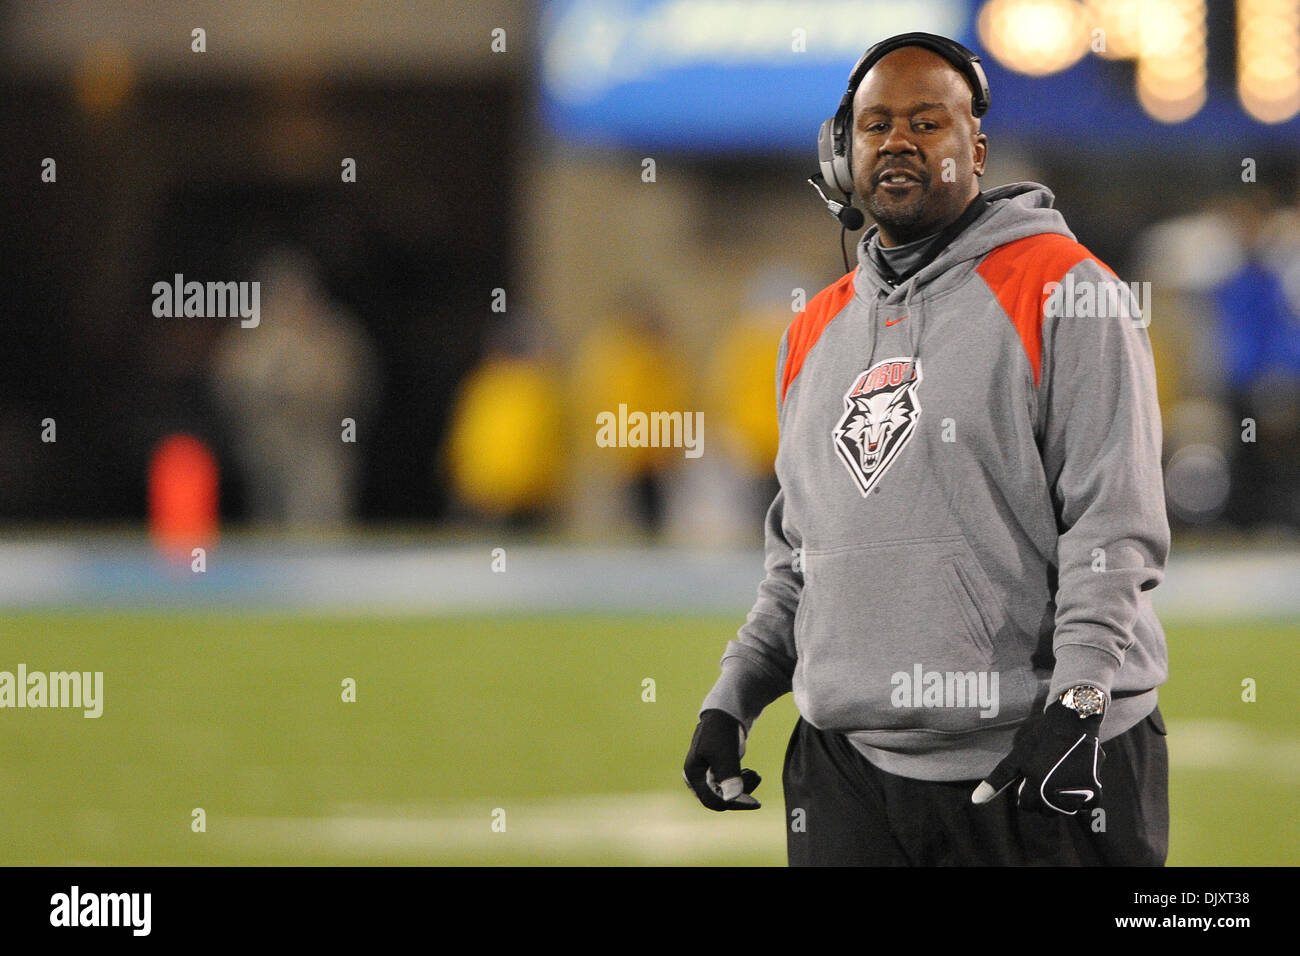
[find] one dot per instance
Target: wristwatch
(1084, 700)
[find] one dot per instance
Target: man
(969, 520)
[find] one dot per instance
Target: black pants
(854, 814)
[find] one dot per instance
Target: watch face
(1087, 700)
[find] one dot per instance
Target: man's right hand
(713, 764)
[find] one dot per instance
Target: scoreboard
(1166, 40)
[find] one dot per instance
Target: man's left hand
(1056, 760)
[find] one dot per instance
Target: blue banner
(760, 76)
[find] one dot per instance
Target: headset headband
(965, 61)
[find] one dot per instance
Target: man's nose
(897, 141)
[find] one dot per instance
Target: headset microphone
(848, 216)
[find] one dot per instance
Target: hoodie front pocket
(972, 610)
(877, 622)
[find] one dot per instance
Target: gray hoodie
(971, 506)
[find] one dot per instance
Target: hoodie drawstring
(914, 321)
(872, 327)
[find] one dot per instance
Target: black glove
(1058, 757)
(713, 764)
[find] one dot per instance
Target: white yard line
(652, 828)
(663, 827)
(1226, 745)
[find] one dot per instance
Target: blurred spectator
(285, 388)
(1257, 315)
(1183, 258)
(730, 490)
(742, 390)
(1226, 338)
(630, 360)
(505, 451)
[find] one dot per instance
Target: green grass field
(540, 717)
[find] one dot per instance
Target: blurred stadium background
(506, 265)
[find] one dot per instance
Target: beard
(907, 217)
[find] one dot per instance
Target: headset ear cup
(826, 150)
(834, 153)
(844, 164)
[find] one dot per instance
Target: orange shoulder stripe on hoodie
(1017, 274)
(807, 327)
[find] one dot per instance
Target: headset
(835, 138)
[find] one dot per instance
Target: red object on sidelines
(183, 496)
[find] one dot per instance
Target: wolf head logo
(880, 414)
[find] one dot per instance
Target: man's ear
(981, 153)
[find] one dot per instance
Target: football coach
(969, 522)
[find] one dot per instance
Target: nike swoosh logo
(1086, 794)
(889, 322)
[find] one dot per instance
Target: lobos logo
(880, 413)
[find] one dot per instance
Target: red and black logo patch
(880, 414)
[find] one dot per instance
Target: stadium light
(1268, 59)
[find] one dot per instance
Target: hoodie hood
(1015, 211)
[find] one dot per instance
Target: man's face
(910, 114)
